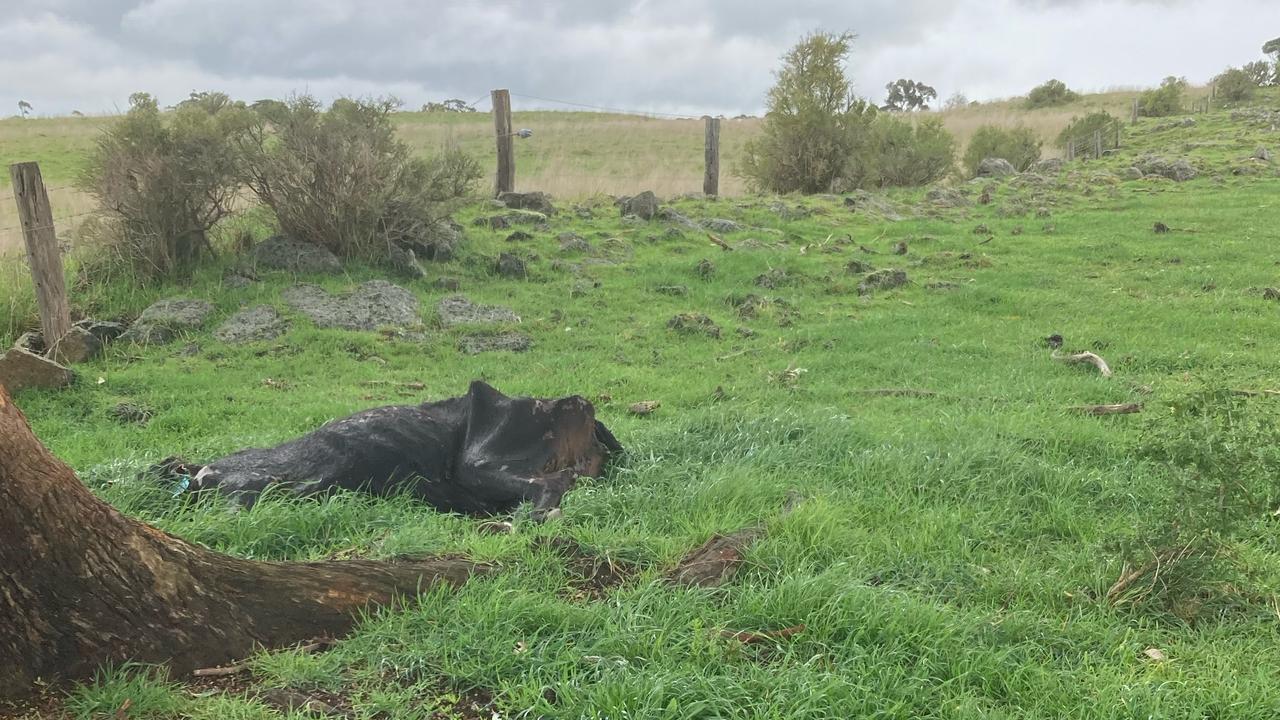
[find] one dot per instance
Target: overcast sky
(681, 56)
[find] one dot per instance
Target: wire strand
(602, 108)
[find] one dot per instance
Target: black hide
(480, 453)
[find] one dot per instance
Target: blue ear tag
(182, 485)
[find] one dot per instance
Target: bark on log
(81, 584)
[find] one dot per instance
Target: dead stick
(1117, 409)
(723, 245)
(747, 637)
(897, 392)
(1084, 357)
(220, 671)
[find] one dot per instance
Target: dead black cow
(482, 453)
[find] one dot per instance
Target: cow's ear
(481, 390)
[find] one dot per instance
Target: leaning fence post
(711, 179)
(506, 179)
(43, 255)
(1133, 119)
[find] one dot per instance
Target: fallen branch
(746, 637)
(1162, 559)
(718, 559)
(1256, 393)
(897, 392)
(1084, 357)
(1117, 409)
(220, 671)
(723, 245)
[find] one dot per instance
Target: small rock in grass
(694, 324)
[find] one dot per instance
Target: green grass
(952, 553)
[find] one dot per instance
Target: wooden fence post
(1133, 119)
(711, 179)
(1117, 134)
(1071, 150)
(1097, 144)
(506, 179)
(42, 251)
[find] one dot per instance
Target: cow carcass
(481, 453)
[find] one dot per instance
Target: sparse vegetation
(1235, 85)
(1019, 145)
(162, 181)
(1163, 101)
(1050, 94)
(1081, 131)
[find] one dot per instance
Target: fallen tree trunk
(82, 585)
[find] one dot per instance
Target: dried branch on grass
(1084, 357)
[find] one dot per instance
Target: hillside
(963, 523)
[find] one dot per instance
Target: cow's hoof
(496, 528)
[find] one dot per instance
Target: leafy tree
(453, 105)
(815, 126)
(1164, 100)
(24, 107)
(907, 95)
(1049, 94)
(1019, 145)
(956, 101)
(906, 154)
(1234, 85)
(1272, 48)
(163, 181)
(1082, 129)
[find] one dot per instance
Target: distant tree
(24, 107)
(815, 126)
(77, 113)
(1234, 85)
(1019, 145)
(907, 95)
(956, 101)
(1049, 94)
(451, 105)
(1261, 72)
(1164, 100)
(1272, 48)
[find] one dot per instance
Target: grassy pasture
(953, 551)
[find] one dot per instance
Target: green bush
(904, 154)
(1082, 129)
(163, 181)
(1163, 101)
(1234, 85)
(341, 179)
(1019, 145)
(814, 127)
(1050, 94)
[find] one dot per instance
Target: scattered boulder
(105, 330)
(162, 322)
(676, 290)
(1262, 154)
(705, 269)
(1160, 228)
(1177, 170)
(945, 197)
(981, 229)
(872, 204)
(672, 216)
(789, 213)
(985, 197)
(520, 236)
(882, 280)
(775, 278)
(643, 206)
(447, 283)
(458, 310)
(500, 342)
(694, 324)
(404, 262)
(536, 201)
(236, 281)
(76, 346)
(721, 225)
(857, 267)
(996, 167)
(672, 234)
(573, 242)
(283, 253)
(1271, 294)
(1043, 212)
(900, 247)
(20, 369)
(1048, 166)
(371, 305)
(511, 266)
(1132, 173)
(262, 322)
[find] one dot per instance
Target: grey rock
(1262, 154)
(863, 201)
(536, 201)
(946, 197)
(673, 216)
(257, 323)
(283, 253)
(1048, 166)
(78, 345)
(236, 282)
(510, 266)
(882, 280)
(996, 167)
(519, 236)
(447, 283)
(404, 262)
(694, 324)
(643, 206)
(371, 305)
(1132, 173)
(721, 225)
(20, 369)
(573, 242)
(500, 342)
(164, 320)
(458, 310)
(1177, 170)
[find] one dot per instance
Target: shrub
(163, 182)
(1261, 72)
(1050, 94)
(1164, 100)
(1019, 145)
(340, 178)
(814, 127)
(904, 154)
(1234, 85)
(1082, 129)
